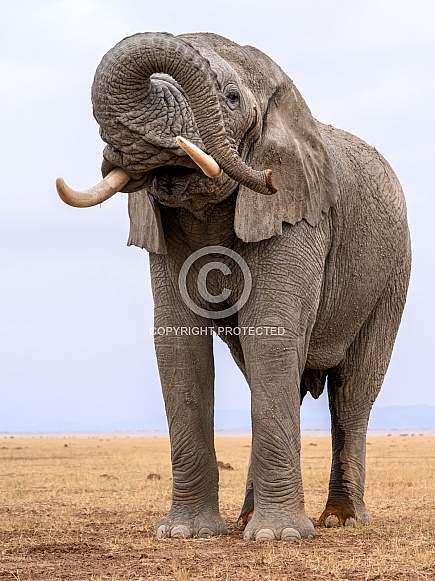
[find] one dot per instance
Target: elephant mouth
(161, 170)
(137, 165)
(169, 182)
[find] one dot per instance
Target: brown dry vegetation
(84, 509)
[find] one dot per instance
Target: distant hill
(413, 417)
(313, 417)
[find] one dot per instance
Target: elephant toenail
(332, 521)
(161, 532)
(181, 532)
(350, 522)
(265, 535)
(310, 537)
(205, 533)
(289, 534)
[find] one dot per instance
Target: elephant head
(189, 120)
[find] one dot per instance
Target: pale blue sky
(75, 347)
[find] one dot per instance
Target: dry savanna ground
(85, 509)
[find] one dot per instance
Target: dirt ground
(87, 509)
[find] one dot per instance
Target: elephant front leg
(273, 371)
(187, 376)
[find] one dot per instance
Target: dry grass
(84, 509)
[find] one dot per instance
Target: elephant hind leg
(352, 389)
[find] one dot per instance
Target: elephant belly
(327, 348)
(344, 309)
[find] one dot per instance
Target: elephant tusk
(204, 161)
(110, 185)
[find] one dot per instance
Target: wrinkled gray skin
(329, 256)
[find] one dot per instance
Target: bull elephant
(221, 158)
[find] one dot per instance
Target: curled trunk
(121, 81)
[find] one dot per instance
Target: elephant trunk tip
(269, 184)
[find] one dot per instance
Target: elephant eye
(232, 95)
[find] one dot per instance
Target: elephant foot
(184, 524)
(342, 512)
(284, 526)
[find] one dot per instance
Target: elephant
(222, 158)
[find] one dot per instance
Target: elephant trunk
(121, 83)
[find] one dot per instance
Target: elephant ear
(291, 145)
(146, 229)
